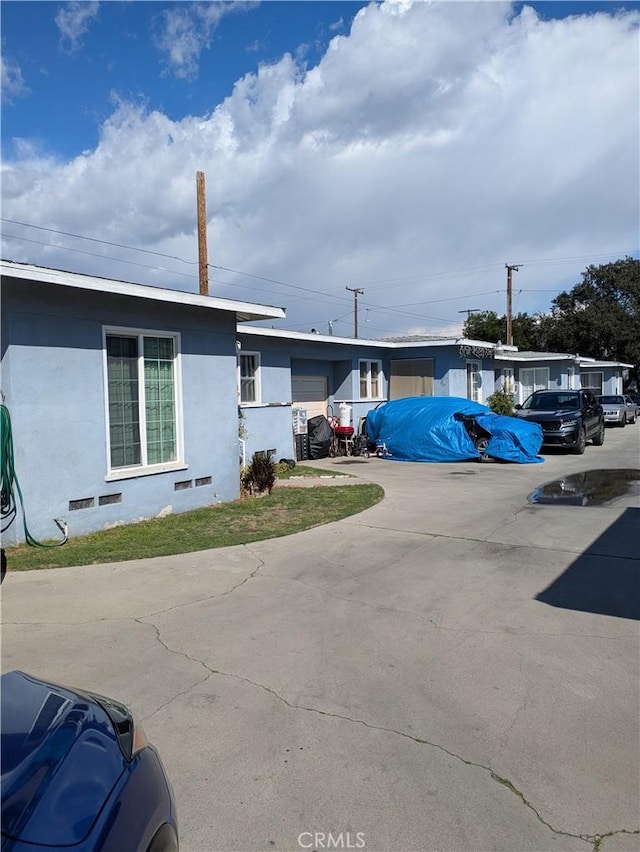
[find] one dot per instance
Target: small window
(474, 381)
(508, 380)
(370, 379)
(249, 369)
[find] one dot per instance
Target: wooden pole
(356, 292)
(510, 269)
(203, 260)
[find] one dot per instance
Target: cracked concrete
(392, 674)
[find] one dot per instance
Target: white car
(632, 409)
(615, 410)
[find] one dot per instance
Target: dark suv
(569, 418)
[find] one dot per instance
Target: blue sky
(410, 148)
(73, 81)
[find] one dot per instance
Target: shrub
(501, 402)
(260, 476)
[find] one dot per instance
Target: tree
(487, 325)
(600, 316)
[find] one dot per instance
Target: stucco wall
(52, 378)
(268, 428)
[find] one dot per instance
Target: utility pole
(356, 292)
(203, 261)
(510, 269)
(470, 311)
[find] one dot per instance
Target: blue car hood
(60, 760)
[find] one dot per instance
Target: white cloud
(12, 83)
(184, 31)
(73, 20)
(430, 146)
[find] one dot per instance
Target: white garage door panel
(310, 393)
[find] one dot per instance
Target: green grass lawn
(305, 470)
(284, 511)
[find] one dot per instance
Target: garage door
(310, 393)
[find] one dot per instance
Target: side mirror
(518, 406)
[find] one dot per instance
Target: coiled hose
(10, 485)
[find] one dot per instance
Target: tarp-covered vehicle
(447, 429)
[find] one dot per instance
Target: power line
(452, 299)
(322, 296)
(95, 240)
(94, 254)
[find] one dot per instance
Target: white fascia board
(302, 335)
(360, 341)
(589, 363)
(542, 356)
(243, 310)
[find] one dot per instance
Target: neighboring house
(123, 398)
(317, 373)
(525, 372)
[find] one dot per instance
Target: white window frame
(257, 378)
(597, 389)
(369, 391)
(509, 380)
(144, 469)
(474, 368)
(537, 383)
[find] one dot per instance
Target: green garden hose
(10, 485)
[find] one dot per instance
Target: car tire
(598, 439)
(623, 422)
(581, 443)
(164, 840)
(481, 445)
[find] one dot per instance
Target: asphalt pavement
(452, 669)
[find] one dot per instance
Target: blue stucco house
(319, 374)
(125, 399)
(122, 397)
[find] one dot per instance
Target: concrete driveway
(453, 669)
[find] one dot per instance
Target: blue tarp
(423, 428)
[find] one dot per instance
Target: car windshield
(552, 401)
(611, 400)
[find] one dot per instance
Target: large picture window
(593, 381)
(249, 377)
(142, 399)
(533, 379)
(411, 377)
(370, 372)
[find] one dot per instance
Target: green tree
(487, 325)
(600, 316)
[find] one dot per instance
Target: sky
(409, 150)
